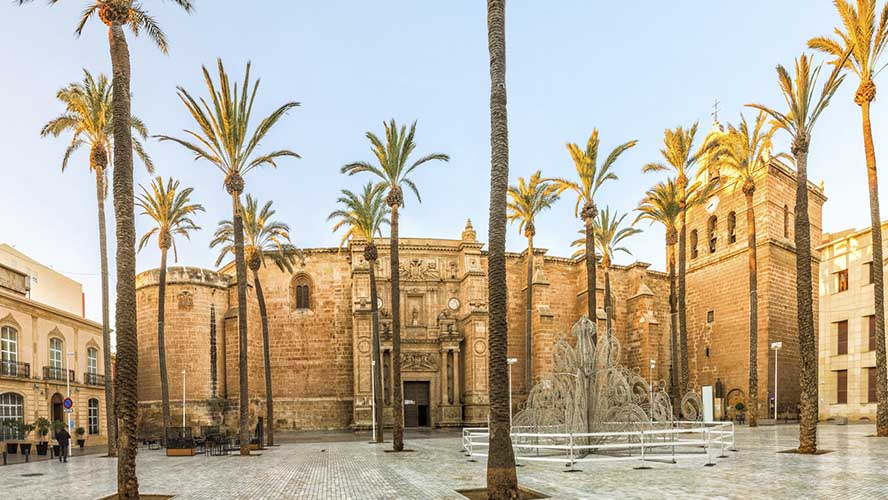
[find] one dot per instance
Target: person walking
(64, 439)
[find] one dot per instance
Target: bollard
(4, 458)
(707, 438)
(27, 456)
(642, 466)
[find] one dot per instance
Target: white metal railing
(679, 439)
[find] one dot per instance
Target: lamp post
(776, 346)
(68, 385)
(651, 388)
(373, 398)
(511, 362)
(183, 399)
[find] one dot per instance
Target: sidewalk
(19, 458)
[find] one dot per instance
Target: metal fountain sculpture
(589, 391)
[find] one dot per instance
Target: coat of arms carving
(419, 361)
(419, 270)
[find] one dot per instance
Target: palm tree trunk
(673, 329)
(608, 312)
(528, 319)
(591, 278)
(753, 312)
(397, 396)
(878, 274)
(805, 309)
(377, 358)
(161, 346)
(682, 305)
(502, 480)
(266, 355)
(241, 273)
(110, 419)
(125, 313)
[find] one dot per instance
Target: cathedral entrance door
(416, 404)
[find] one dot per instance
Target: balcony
(15, 369)
(93, 379)
(51, 373)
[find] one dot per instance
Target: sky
(629, 68)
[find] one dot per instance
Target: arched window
(55, 353)
(712, 233)
(785, 221)
(694, 244)
(300, 292)
(93, 406)
(732, 227)
(12, 408)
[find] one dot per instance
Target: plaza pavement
(358, 470)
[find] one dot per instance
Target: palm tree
(263, 238)
(363, 216)
(592, 176)
(744, 152)
(88, 117)
(865, 41)
(118, 14)
(223, 140)
(680, 157)
(393, 170)
(609, 236)
(798, 122)
(502, 480)
(527, 200)
(172, 211)
(661, 204)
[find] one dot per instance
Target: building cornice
(28, 306)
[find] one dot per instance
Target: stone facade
(846, 369)
(34, 367)
(321, 355)
(718, 288)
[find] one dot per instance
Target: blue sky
(629, 68)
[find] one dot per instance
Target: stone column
(444, 354)
(456, 395)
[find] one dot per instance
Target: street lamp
(511, 362)
(183, 400)
(776, 346)
(651, 388)
(373, 398)
(68, 384)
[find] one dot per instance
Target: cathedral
(320, 324)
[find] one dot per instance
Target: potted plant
(80, 431)
(12, 428)
(57, 426)
(26, 430)
(740, 407)
(42, 425)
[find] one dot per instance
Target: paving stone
(357, 470)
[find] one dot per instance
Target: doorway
(416, 404)
(58, 412)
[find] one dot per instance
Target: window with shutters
(841, 280)
(871, 385)
(871, 326)
(842, 337)
(868, 273)
(842, 387)
(694, 244)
